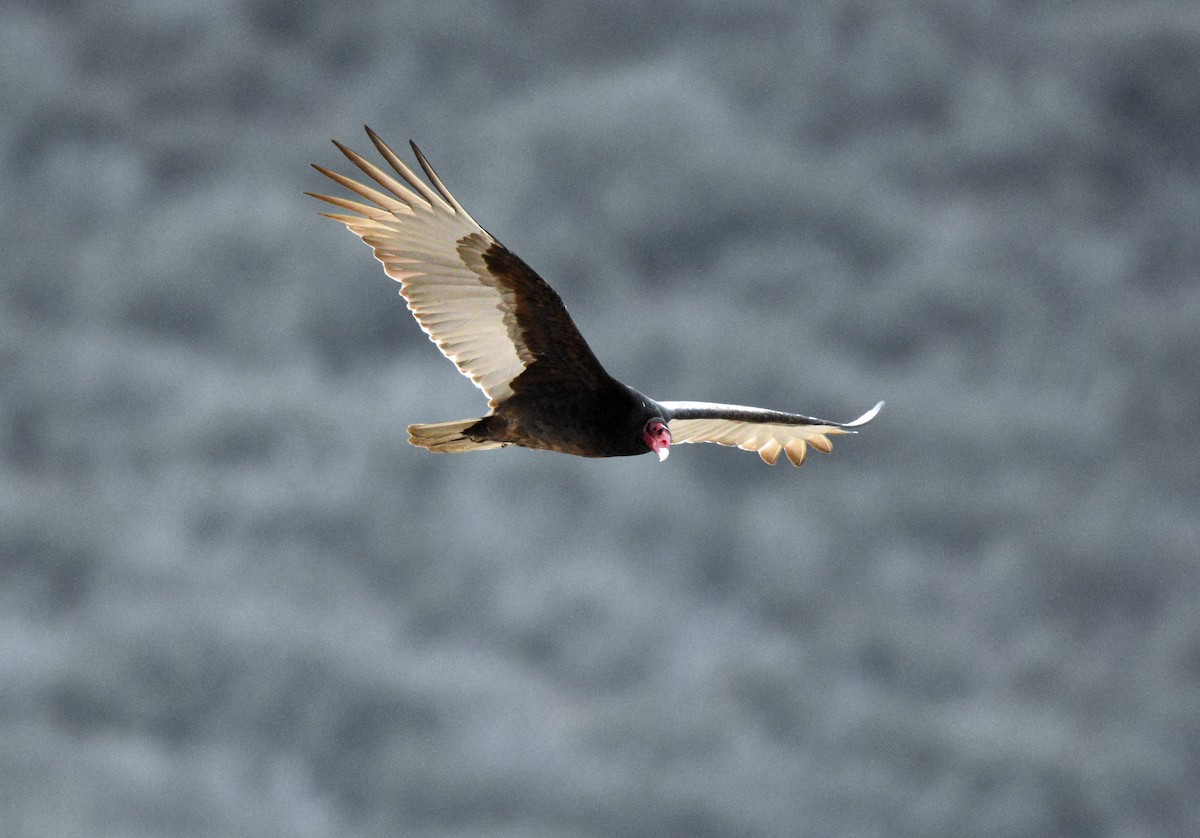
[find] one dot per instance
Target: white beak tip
(663, 453)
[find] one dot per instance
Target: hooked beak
(658, 438)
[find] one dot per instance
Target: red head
(657, 437)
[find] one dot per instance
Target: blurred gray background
(235, 602)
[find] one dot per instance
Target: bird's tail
(448, 438)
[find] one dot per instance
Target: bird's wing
(486, 310)
(768, 432)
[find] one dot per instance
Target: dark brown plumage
(507, 330)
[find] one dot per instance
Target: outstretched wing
(768, 432)
(486, 310)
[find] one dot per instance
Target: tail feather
(447, 437)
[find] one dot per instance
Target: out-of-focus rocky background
(233, 601)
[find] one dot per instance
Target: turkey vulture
(508, 331)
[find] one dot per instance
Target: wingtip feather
(431, 196)
(821, 443)
(435, 180)
(796, 451)
(866, 417)
(769, 453)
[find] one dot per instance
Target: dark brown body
(589, 421)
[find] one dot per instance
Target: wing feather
(768, 432)
(431, 199)
(485, 309)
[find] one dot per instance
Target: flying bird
(508, 331)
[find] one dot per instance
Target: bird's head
(657, 437)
